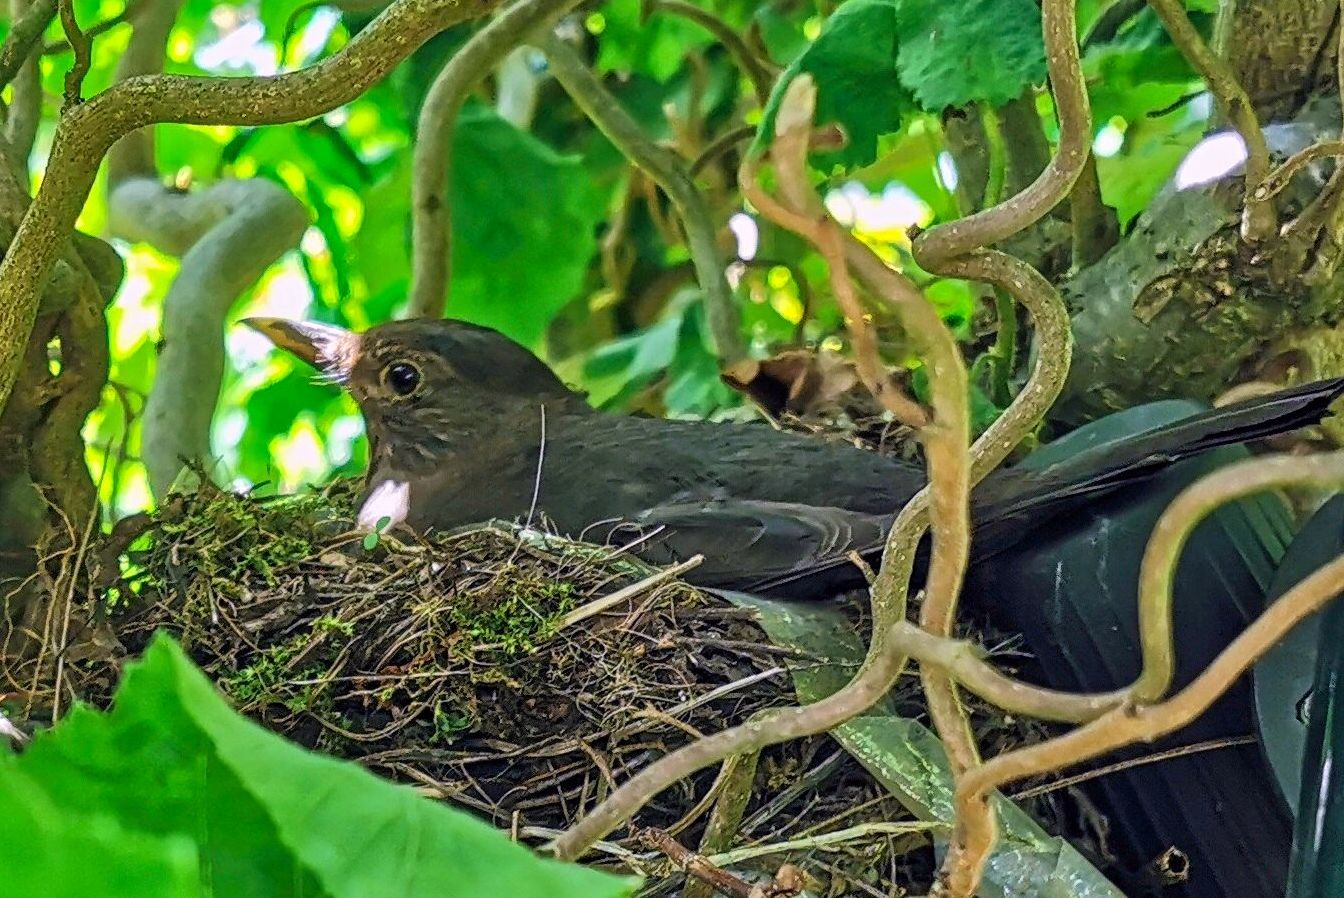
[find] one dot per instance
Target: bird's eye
(402, 377)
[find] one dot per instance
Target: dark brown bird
(466, 425)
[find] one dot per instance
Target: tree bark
(1282, 51)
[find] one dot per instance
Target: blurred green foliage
(556, 241)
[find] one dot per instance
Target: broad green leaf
(56, 854)
(853, 62)
(524, 219)
(907, 758)
(524, 227)
(172, 762)
(656, 46)
(954, 52)
(618, 368)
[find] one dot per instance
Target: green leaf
(182, 773)
(954, 52)
(617, 369)
(853, 62)
(60, 855)
(524, 222)
(524, 227)
(656, 46)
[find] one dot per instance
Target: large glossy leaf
(189, 778)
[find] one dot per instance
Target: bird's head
(423, 383)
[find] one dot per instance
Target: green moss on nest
(524, 612)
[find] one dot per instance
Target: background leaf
(954, 52)
(853, 62)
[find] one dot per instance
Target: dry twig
(1141, 717)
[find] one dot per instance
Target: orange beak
(332, 350)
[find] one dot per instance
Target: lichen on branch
(227, 235)
(86, 131)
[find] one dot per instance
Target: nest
(488, 667)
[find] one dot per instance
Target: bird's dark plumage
(466, 425)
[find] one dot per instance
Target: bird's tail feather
(1108, 466)
(1005, 505)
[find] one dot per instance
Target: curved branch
(955, 249)
(670, 175)
(962, 661)
(946, 501)
(431, 217)
(86, 131)
(1135, 720)
(1279, 178)
(760, 72)
(106, 25)
(955, 238)
(82, 46)
(227, 235)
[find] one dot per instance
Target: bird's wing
(746, 541)
(1011, 502)
(1016, 496)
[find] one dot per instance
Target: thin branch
(56, 47)
(82, 45)
(1278, 179)
(25, 112)
(1026, 149)
(26, 32)
(626, 593)
(1260, 219)
(431, 213)
(1136, 721)
(962, 661)
(1183, 751)
(720, 145)
(946, 502)
(85, 132)
(826, 840)
(967, 141)
(999, 222)
(759, 72)
(954, 249)
(695, 865)
(1095, 226)
(670, 174)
